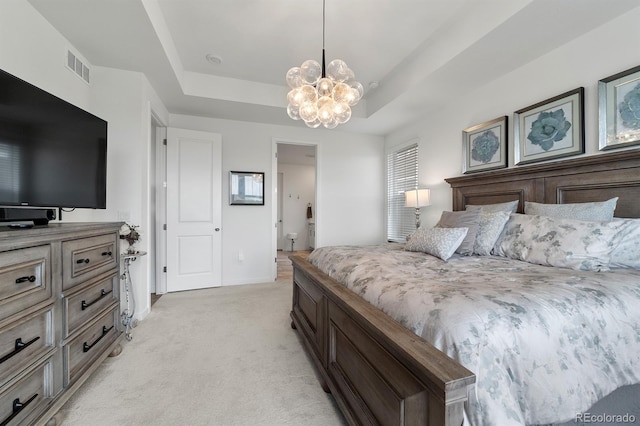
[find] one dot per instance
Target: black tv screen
(52, 153)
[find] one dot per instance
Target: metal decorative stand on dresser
(127, 315)
(59, 314)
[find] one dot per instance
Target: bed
(381, 372)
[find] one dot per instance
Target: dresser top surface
(53, 230)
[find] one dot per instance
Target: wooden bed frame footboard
(378, 371)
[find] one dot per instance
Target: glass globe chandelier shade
(322, 95)
(323, 98)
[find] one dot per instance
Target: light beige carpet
(224, 356)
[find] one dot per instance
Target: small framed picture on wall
(619, 109)
(484, 146)
(246, 188)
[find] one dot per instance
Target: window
(402, 175)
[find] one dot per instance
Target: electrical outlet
(123, 216)
(240, 255)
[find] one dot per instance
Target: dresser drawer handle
(19, 347)
(86, 347)
(84, 305)
(31, 279)
(17, 407)
(79, 261)
(106, 253)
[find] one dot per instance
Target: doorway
(157, 243)
(295, 169)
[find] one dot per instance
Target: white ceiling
(419, 51)
(296, 154)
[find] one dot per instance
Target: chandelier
(322, 95)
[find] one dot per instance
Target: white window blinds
(402, 175)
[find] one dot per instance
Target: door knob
(217, 229)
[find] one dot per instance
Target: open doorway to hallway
(296, 206)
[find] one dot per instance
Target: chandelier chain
(323, 22)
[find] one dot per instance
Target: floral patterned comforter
(545, 343)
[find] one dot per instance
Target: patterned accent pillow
(464, 219)
(626, 254)
(509, 206)
(439, 242)
(489, 230)
(598, 211)
(566, 243)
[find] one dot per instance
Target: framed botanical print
(619, 109)
(484, 146)
(550, 129)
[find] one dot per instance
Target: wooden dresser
(59, 314)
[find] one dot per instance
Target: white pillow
(626, 253)
(489, 230)
(439, 242)
(597, 211)
(462, 219)
(509, 206)
(566, 243)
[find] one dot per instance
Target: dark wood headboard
(578, 180)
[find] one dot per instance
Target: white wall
(350, 197)
(31, 49)
(606, 50)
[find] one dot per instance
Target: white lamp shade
(417, 198)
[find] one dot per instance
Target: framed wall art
(619, 109)
(484, 146)
(246, 188)
(550, 129)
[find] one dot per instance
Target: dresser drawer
(25, 341)
(22, 402)
(86, 258)
(80, 352)
(25, 278)
(81, 306)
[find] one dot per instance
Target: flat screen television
(52, 153)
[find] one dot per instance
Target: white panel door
(194, 206)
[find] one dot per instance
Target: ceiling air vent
(76, 65)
